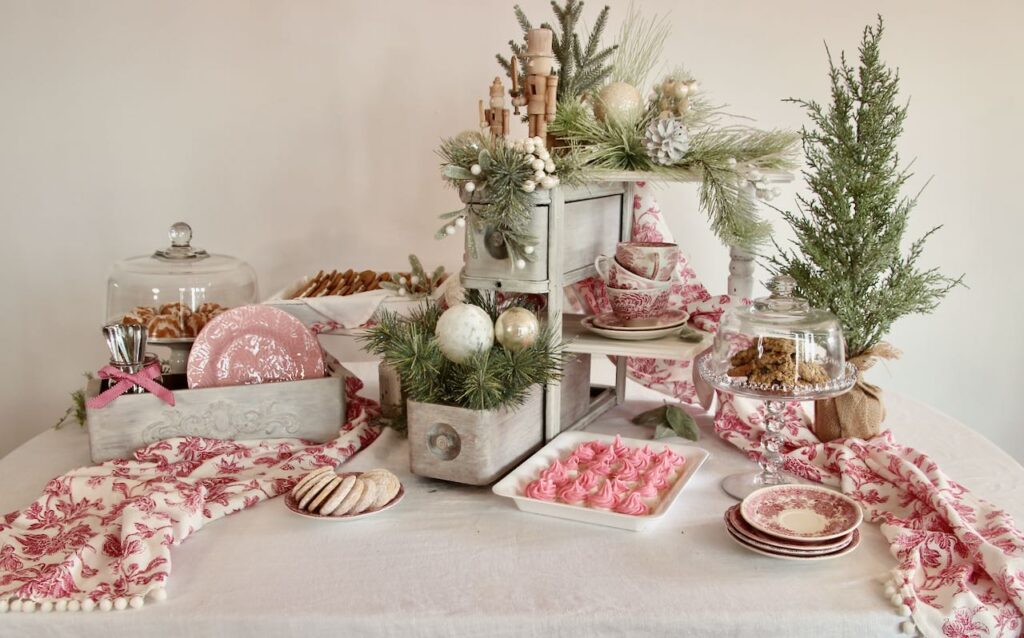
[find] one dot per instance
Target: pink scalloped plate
(254, 344)
(735, 523)
(801, 512)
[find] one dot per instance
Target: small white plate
(801, 512)
(560, 447)
(836, 554)
(630, 335)
(293, 506)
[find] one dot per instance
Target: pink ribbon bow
(125, 380)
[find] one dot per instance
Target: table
(460, 561)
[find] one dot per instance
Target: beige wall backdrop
(300, 135)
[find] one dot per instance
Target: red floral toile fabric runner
(101, 536)
(960, 560)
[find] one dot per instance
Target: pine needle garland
(847, 255)
(493, 379)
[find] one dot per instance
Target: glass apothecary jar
(176, 290)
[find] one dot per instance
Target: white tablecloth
(460, 561)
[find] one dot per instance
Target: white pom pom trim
(74, 605)
(158, 595)
(120, 604)
(45, 606)
(106, 604)
(88, 604)
(136, 602)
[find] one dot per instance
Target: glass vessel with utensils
(777, 349)
(176, 290)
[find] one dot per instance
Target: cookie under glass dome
(176, 290)
(777, 349)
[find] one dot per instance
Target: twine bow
(125, 381)
(881, 350)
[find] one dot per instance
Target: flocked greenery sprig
(498, 179)
(493, 379)
(416, 283)
(581, 67)
(847, 254)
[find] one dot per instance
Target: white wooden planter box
(313, 409)
(476, 447)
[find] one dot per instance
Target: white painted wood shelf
(578, 339)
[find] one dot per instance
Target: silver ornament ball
(516, 328)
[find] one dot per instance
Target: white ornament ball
(460, 222)
(539, 175)
(549, 166)
(529, 186)
(469, 187)
(529, 147)
(619, 102)
(159, 595)
(463, 330)
(544, 155)
(520, 264)
(74, 605)
(528, 250)
(475, 169)
(692, 87)
(106, 604)
(448, 230)
(88, 604)
(538, 141)
(516, 328)
(45, 606)
(401, 292)
(414, 280)
(509, 144)
(537, 164)
(136, 602)
(547, 183)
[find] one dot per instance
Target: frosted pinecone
(666, 140)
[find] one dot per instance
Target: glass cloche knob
(180, 234)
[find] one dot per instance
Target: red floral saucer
(670, 319)
(801, 512)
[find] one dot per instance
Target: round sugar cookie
(387, 486)
(304, 481)
(350, 499)
(338, 496)
(367, 498)
(318, 484)
(325, 492)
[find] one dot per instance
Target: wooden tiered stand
(574, 226)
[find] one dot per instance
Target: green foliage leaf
(456, 172)
(682, 423)
(652, 418)
(663, 432)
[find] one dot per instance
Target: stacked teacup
(638, 280)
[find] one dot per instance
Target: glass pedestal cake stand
(775, 399)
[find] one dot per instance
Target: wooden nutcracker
(495, 117)
(541, 90)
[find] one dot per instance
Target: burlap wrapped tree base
(857, 414)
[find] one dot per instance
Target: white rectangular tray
(560, 447)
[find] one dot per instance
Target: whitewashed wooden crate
(475, 447)
(313, 409)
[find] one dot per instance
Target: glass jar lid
(779, 347)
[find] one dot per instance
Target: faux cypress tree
(847, 254)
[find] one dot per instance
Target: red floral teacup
(639, 307)
(649, 259)
(615, 276)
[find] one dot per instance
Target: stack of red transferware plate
(796, 522)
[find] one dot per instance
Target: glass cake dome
(779, 348)
(176, 290)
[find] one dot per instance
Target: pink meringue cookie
(541, 489)
(584, 453)
(602, 467)
(587, 479)
(608, 456)
(627, 472)
(633, 505)
(572, 463)
(573, 493)
(619, 487)
(597, 447)
(618, 447)
(604, 498)
(659, 480)
(646, 490)
(675, 459)
(555, 472)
